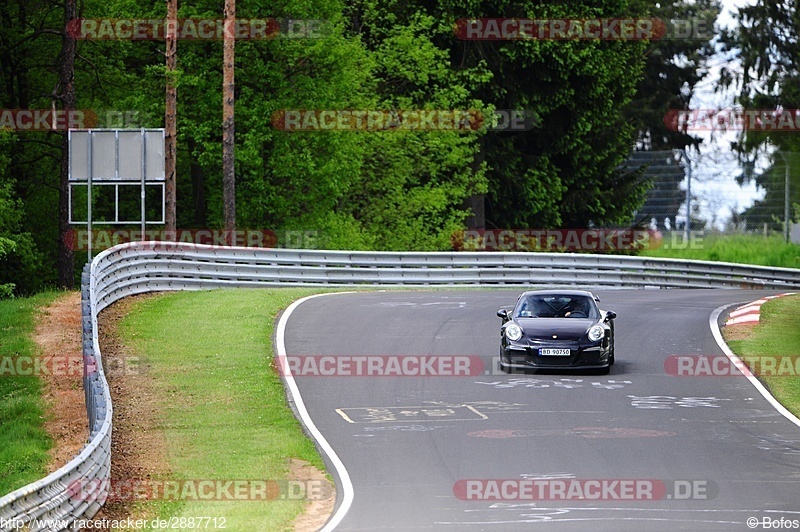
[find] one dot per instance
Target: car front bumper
(591, 356)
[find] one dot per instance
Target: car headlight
(596, 332)
(513, 332)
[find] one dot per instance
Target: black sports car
(556, 329)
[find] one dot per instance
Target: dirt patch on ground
(740, 331)
(317, 511)
(58, 334)
(138, 445)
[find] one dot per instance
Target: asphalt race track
(637, 449)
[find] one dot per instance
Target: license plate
(554, 352)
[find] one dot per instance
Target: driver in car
(578, 308)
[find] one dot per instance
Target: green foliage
(295, 180)
(771, 208)
(412, 186)
(19, 257)
(673, 69)
(560, 173)
(29, 160)
(7, 290)
(361, 190)
(766, 40)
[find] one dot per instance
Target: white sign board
(116, 155)
(117, 158)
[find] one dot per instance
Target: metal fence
(703, 185)
(159, 266)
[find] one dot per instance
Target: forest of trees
(595, 101)
(767, 37)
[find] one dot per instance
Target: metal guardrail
(76, 490)
(142, 267)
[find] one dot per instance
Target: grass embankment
(223, 406)
(776, 335)
(24, 444)
(745, 249)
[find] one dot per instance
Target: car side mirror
(610, 315)
(502, 313)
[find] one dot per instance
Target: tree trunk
(66, 82)
(170, 122)
(228, 168)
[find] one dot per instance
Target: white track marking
(347, 485)
(713, 323)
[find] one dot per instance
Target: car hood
(564, 328)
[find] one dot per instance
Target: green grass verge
(776, 335)
(24, 444)
(745, 249)
(223, 407)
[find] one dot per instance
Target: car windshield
(556, 306)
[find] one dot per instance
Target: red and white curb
(750, 312)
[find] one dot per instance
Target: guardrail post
(87, 340)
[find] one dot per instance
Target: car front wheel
(611, 355)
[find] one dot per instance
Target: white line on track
(346, 484)
(738, 363)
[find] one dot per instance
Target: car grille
(562, 342)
